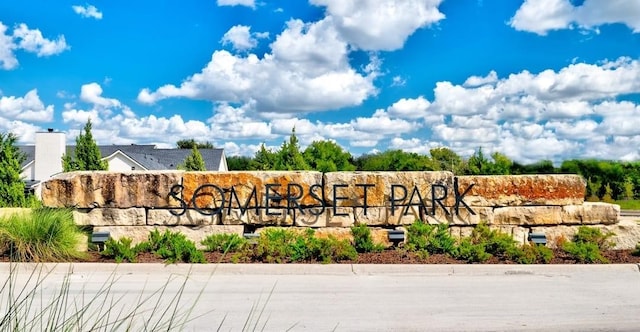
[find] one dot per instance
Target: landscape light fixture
(395, 236)
(100, 238)
(537, 238)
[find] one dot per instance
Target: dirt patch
(390, 256)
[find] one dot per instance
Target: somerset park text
(278, 199)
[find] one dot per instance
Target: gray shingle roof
(146, 155)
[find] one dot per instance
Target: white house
(44, 159)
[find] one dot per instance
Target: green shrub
(471, 252)
(532, 254)
(224, 242)
(434, 239)
(587, 245)
(362, 240)
(44, 235)
(282, 245)
(275, 245)
(594, 235)
(495, 242)
(173, 247)
(122, 250)
(585, 252)
(637, 251)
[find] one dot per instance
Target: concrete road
(338, 297)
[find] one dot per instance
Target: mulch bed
(390, 256)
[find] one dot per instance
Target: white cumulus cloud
(542, 16)
(308, 70)
(31, 40)
(381, 24)
(247, 3)
(87, 11)
(27, 108)
(241, 38)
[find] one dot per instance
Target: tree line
(607, 180)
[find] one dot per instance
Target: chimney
(50, 146)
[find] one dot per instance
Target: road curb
(320, 269)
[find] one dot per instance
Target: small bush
(587, 245)
(44, 235)
(434, 239)
(471, 252)
(532, 254)
(585, 252)
(121, 250)
(281, 246)
(224, 242)
(275, 245)
(495, 242)
(173, 247)
(637, 251)
(594, 235)
(362, 240)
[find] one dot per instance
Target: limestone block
(197, 234)
(274, 216)
(590, 213)
(110, 217)
(239, 217)
(514, 190)
(317, 218)
(380, 188)
(520, 234)
(527, 215)
(465, 217)
(627, 233)
(92, 189)
(164, 217)
(249, 189)
(556, 234)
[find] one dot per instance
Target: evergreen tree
(264, 159)
(193, 162)
(289, 158)
(87, 154)
(327, 156)
(11, 184)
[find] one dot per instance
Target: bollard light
(537, 238)
(395, 236)
(100, 238)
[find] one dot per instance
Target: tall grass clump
(44, 235)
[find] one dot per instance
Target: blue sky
(534, 79)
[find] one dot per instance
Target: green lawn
(631, 204)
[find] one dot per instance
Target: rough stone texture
(527, 215)
(344, 184)
(514, 190)
(164, 217)
(238, 187)
(590, 213)
(464, 216)
(556, 234)
(141, 233)
(627, 233)
(92, 189)
(110, 217)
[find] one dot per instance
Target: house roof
(146, 155)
